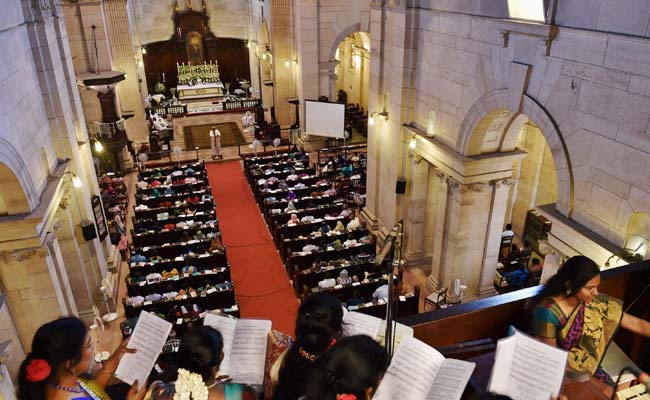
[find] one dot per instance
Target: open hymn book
(244, 347)
(419, 372)
(356, 323)
(527, 369)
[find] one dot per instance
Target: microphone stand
(396, 259)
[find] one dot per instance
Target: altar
(200, 91)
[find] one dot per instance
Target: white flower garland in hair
(190, 386)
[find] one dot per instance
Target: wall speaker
(89, 231)
(400, 186)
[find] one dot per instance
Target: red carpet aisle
(261, 283)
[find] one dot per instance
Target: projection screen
(324, 119)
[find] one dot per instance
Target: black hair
(352, 366)
(490, 396)
(200, 351)
(571, 277)
(508, 227)
(56, 342)
(320, 319)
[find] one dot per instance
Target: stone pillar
(442, 183)
(307, 52)
(327, 77)
(498, 207)
(462, 215)
(61, 273)
(35, 291)
(282, 37)
(122, 51)
(416, 210)
(53, 60)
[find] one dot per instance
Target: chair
(506, 241)
(437, 299)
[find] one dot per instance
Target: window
(531, 10)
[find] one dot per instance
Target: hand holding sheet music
(148, 338)
(416, 373)
(526, 369)
(244, 347)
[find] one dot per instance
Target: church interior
(455, 175)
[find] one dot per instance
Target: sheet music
(411, 372)
(227, 327)
(401, 331)
(451, 380)
(249, 351)
(148, 338)
(526, 369)
(356, 323)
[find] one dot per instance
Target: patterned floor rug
(199, 135)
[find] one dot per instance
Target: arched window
(530, 10)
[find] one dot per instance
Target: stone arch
(471, 143)
(16, 187)
(349, 30)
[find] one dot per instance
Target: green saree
(585, 333)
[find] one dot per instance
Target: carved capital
(65, 202)
(416, 158)
(503, 182)
(38, 10)
(439, 174)
(453, 186)
(50, 238)
(473, 187)
(23, 255)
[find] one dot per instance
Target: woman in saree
(58, 366)
(572, 315)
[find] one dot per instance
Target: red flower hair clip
(38, 370)
(346, 397)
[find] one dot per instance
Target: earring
(567, 292)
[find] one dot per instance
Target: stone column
(122, 51)
(443, 184)
(416, 210)
(53, 60)
(307, 52)
(498, 207)
(467, 215)
(35, 293)
(282, 36)
(327, 78)
(61, 273)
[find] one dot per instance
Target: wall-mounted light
(381, 115)
(413, 142)
(99, 147)
(144, 50)
(289, 62)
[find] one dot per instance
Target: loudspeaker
(89, 231)
(400, 186)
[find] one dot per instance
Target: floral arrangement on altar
(190, 386)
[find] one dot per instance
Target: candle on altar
(163, 77)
